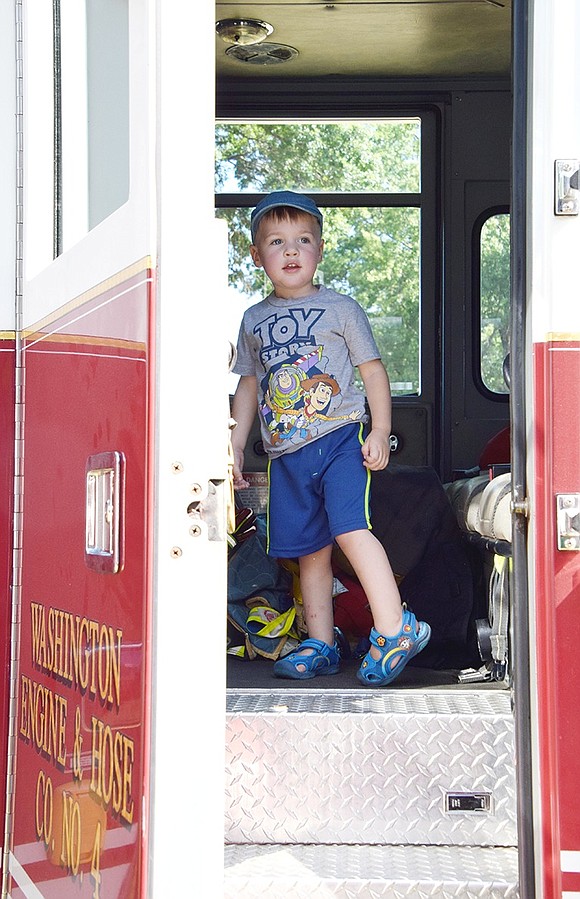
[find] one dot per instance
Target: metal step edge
(458, 701)
(370, 872)
(369, 768)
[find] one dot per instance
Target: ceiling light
(242, 32)
(263, 54)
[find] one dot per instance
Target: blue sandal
(395, 651)
(324, 660)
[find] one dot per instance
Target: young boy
(296, 353)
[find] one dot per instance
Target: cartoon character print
(282, 390)
(297, 397)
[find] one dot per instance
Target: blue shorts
(317, 493)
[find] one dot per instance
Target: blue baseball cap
(284, 198)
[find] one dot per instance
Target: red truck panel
(83, 686)
(557, 381)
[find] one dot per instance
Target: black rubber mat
(258, 675)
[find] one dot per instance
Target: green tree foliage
(495, 300)
(371, 252)
(380, 157)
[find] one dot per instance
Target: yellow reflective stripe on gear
(281, 624)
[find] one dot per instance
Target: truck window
(365, 176)
(494, 296)
(76, 175)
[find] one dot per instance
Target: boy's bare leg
(373, 569)
(316, 588)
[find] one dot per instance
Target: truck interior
(430, 81)
(398, 117)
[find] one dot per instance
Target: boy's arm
(244, 409)
(376, 448)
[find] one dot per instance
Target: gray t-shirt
(303, 353)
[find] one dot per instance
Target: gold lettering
(115, 676)
(84, 675)
(70, 853)
(44, 807)
(112, 759)
(94, 630)
(38, 634)
(43, 716)
(103, 665)
(58, 644)
(65, 672)
(75, 647)
(96, 756)
(118, 781)
(49, 656)
(25, 706)
(79, 651)
(128, 759)
(109, 665)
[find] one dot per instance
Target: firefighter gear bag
(438, 574)
(260, 601)
(252, 572)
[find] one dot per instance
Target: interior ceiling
(378, 38)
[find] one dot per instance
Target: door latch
(568, 520)
(209, 513)
(566, 201)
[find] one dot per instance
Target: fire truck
(139, 759)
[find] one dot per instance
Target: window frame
(426, 200)
(481, 386)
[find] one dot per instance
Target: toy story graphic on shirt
(287, 333)
(298, 395)
(304, 354)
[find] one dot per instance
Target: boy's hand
(376, 450)
(240, 482)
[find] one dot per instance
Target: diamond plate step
(324, 767)
(370, 872)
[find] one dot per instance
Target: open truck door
(121, 456)
(553, 321)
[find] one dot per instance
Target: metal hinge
(568, 520)
(521, 507)
(566, 200)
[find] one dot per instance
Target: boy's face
(289, 252)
